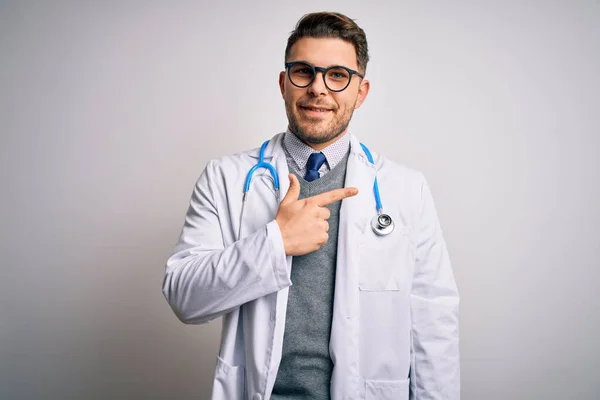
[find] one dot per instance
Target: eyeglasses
(336, 78)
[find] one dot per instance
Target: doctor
(318, 300)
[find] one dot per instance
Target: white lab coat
(395, 311)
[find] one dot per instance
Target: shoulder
(385, 165)
(245, 159)
(391, 170)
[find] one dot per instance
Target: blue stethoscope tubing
(382, 224)
(262, 164)
(378, 204)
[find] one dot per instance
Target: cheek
(343, 103)
(343, 107)
(289, 102)
(290, 97)
(349, 104)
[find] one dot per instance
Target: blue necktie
(315, 161)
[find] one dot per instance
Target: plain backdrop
(109, 111)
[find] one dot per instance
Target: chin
(317, 139)
(316, 136)
(314, 132)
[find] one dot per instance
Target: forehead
(324, 52)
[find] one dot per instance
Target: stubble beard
(312, 133)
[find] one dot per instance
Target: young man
(322, 294)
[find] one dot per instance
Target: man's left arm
(435, 361)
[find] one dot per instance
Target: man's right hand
(303, 223)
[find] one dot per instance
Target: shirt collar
(300, 151)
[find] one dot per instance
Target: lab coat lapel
(278, 301)
(355, 214)
(280, 163)
(262, 204)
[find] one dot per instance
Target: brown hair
(331, 25)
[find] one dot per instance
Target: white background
(109, 111)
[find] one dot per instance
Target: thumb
(294, 190)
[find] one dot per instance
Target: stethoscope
(381, 223)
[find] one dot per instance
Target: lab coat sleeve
(203, 278)
(435, 363)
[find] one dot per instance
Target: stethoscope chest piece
(382, 224)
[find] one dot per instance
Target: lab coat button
(257, 396)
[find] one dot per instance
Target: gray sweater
(306, 366)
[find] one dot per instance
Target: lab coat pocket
(387, 390)
(229, 381)
(386, 261)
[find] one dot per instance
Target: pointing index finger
(332, 196)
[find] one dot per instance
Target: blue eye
(338, 74)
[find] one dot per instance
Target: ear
(282, 82)
(363, 91)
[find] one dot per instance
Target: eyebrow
(328, 66)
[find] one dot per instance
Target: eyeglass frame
(289, 65)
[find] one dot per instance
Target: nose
(317, 87)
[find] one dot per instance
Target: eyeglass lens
(335, 79)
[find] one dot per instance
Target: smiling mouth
(315, 109)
